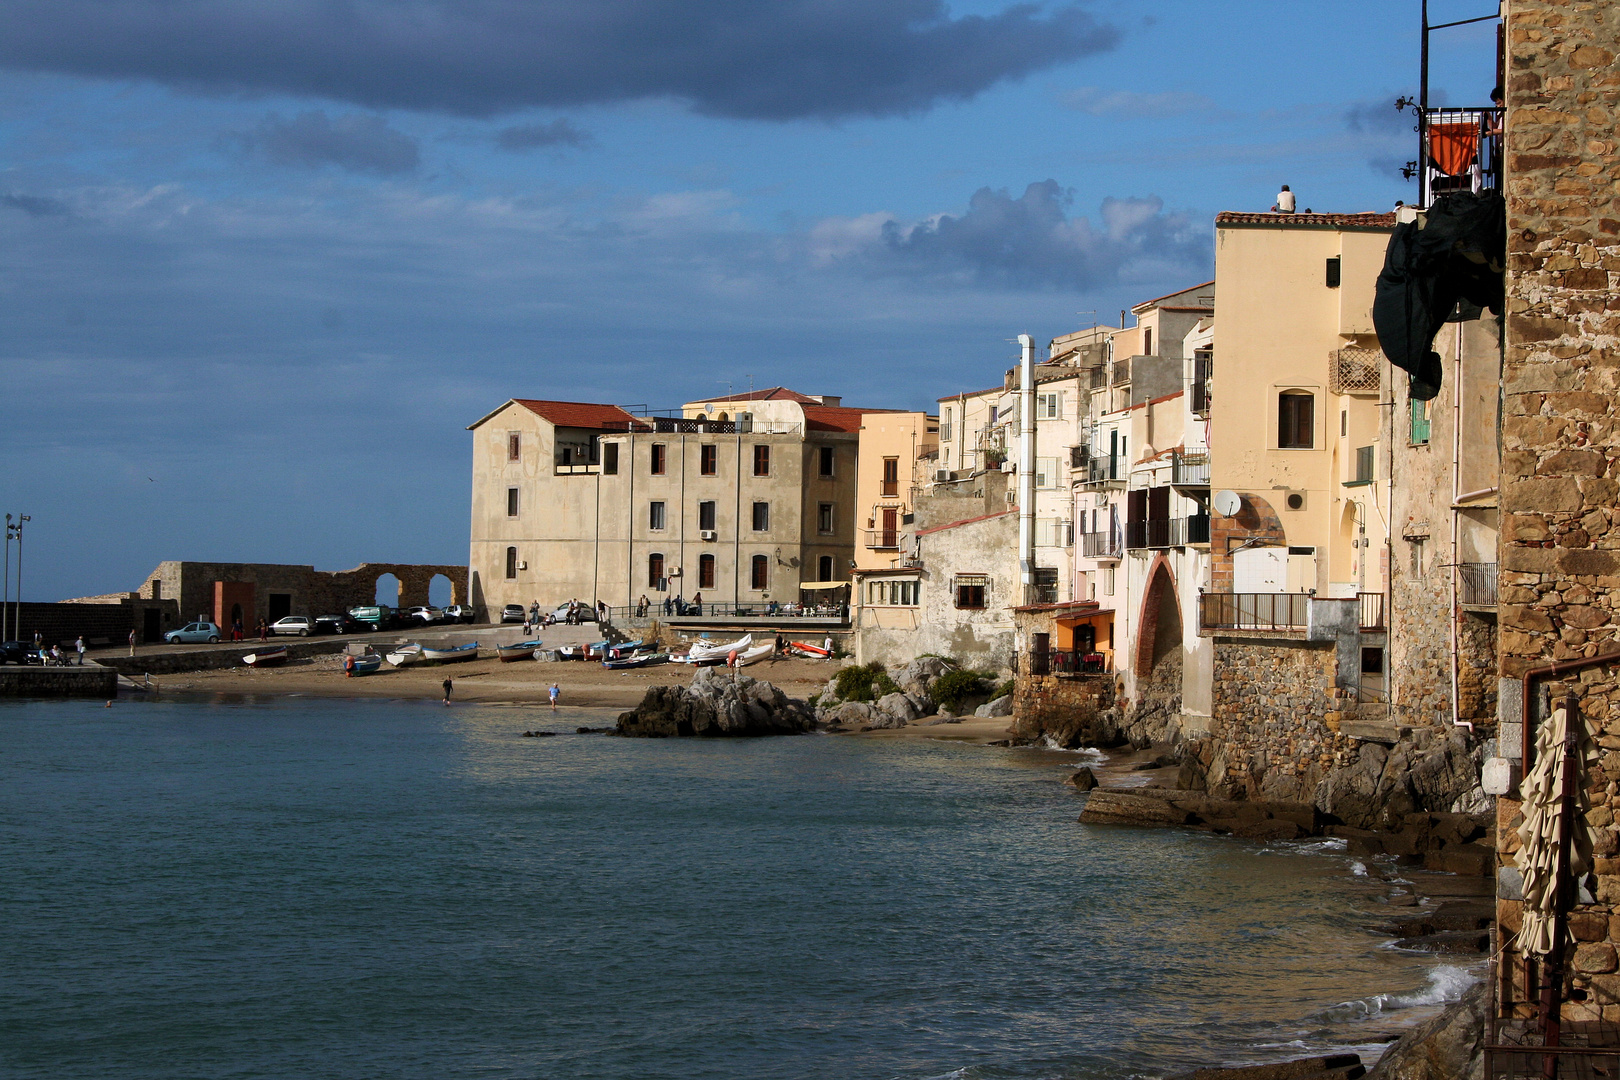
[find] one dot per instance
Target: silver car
(302, 625)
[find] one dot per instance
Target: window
(658, 459)
(1046, 472)
(824, 568)
(705, 571)
(759, 573)
(1147, 341)
(945, 427)
(655, 516)
(708, 459)
(892, 593)
(762, 517)
(826, 461)
(1296, 420)
(1420, 422)
(610, 458)
(970, 590)
(1364, 464)
(514, 446)
(824, 521)
(655, 571)
(891, 476)
(1049, 406)
(706, 518)
(1333, 272)
(511, 502)
(511, 563)
(1108, 581)
(1344, 422)
(762, 461)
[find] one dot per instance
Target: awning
(1547, 818)
(822, 584)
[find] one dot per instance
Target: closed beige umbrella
(1546, 820)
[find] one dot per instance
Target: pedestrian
(669, 607)
(1285, 201)
(447, 691)
(39, 643)
(555, 690)
(264, 631)
(236, 629)
(697, 603)
(132, 643)
(79, 645)
(680, 604)
(526, 624)
(56, 656)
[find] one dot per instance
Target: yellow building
(894, 447)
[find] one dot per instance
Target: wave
(1446, 984)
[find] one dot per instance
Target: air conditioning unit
(523, 564)
(943, 476)
(1294, 500)
(1100, 499)
(1009, 466)
(709, 534)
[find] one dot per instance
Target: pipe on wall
(1026, 463)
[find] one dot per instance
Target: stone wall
(1418, 664)
(1071, 711)
(58, 623)
(76, 681)
(312, 592)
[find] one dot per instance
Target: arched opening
(1344, 549)
(439, 591)
(723, 417)
(236, 618)
(387, 590)
(1158, 638)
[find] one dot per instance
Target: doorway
(151, 624)
(280, 605)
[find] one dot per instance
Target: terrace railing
(1254, 611)
(1167, 532)
(1476, 584)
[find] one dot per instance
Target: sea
(304, 887)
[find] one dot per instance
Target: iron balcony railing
(676, 425)
(882, 539)
(1167, 532)
(1079, 457)
(1099, 378)
(763, 609)
(1459, 150)
(1112, 469)
(1102, 545)
(1254, 611)
(1476, 584)
(1190, 469)
(1053, 662)
(1372, 610)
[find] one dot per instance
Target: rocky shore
(719, 702)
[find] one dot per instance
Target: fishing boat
(405, 654)
(805, 648)
(365, 665)
(451, 655)
(721, 649)
(636, 660)
(698, 661)
(266, 657)
(754, 655)
(523, 650)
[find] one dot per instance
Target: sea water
(360, 889)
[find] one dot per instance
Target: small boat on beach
(266, 657)
(698, 661)
(405, 654)
(804, 648)
(754, 655)
(451, 655)
(636, 660)
(369, 664)
(719, 650)
(523, 650)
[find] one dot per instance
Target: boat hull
(450, 656)
(266, 658)
(523, 650)
(365, 665)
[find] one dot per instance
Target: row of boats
(738, 653)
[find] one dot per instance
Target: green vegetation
(864, 683)
(955, 687)
(1003, 690)
(813, 699)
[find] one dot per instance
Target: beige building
(737, 500)
(895, 451)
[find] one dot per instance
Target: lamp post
(16, 623)
(5, 604)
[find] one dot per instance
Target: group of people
(54, 656)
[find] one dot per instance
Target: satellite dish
(1228, 503)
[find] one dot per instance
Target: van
(376, 616)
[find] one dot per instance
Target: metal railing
(1167, 532)
(882, 539)
(1372, 610)
(762, 609)
(1253, 611)
(1476, 584)
(1053, 662)
(1099, 378)
(1106, 470)
(580, 469)
(1079, 456)
(1102, 545)
(1190, 468)
(1459, 150)
(676, 425)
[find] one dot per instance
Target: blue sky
(260, 264)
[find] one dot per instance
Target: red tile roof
(837, 418)
(967, 521)
(1166, 296)
(775, 393)
(1307, 221)
(577, 414)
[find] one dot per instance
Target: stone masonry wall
(1560, 575)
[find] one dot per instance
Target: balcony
(1102, 545)
(1099, 378)
(1079, 457)
(1458, 150)
(1254, 611)
(1476, 585)
(1372, 611)
(1354, 371)
(678, 425)
(1106, 472)
(881, 539)
(1190, 469)
(1052, 662)
(1167, 532)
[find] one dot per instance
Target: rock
(918, 677)
(1331, 1065)
(894, 710)
(1083, 780)
(1145, 766)
(1445, 1047)
(1001, 706)
(1270, 829)
(718, 702)
(1107, 807)
(849, 714)
(1166, 761)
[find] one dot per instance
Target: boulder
(1445, 1047)
(1001, 706)
(894, 710)
(1108, 807)
(849, 714)
(1083, 780)
(718, 702)
(918, 677)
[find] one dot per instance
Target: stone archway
(1158, 627)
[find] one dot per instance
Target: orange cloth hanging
(1453, 147)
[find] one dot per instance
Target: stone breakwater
(719, 702)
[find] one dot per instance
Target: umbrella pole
(1563, 889)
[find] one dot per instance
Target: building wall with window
(894, 449)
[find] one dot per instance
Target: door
(280, 605)
(151, 625)
(891, 528)
(1260, 580)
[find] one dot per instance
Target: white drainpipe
(1026, 464)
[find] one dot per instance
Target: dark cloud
(35, 205)
(535, 136)
(737, 58)
(312, 139)
(1032, 242)
(1378, 118)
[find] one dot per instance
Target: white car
(302, 625)
(423, 614)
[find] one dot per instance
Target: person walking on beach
(132, 643)
(526, 624)
(554, 691)
(79, 645)
(447, 686)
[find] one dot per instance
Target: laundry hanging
(1454, 147)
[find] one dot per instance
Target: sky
(261, 264)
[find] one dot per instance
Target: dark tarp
(1458, 254)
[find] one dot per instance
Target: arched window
(705, 571)
(825, 569)
(760, 573)
(655, 571)
(511, 563)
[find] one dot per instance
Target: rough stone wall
(1476, 669)
(1070, 711)
(1418, 663)
(313, 592)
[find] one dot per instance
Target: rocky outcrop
(719, 702)
(1446, 1047)
(1168, 806)
(1001, 706)
(917, 680)
(1328, 1067)
(1427, 769)
(913, 700)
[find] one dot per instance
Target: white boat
(454, 653)
(754, 655)
(702, 650)
(405, 654)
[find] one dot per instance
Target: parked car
(460, 613)
(301, 625)
(338, 624)
(15, 652)
(512, 613)
(192, 634)
(376, 616)
(423, 613)
(584, 613)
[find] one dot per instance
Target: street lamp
(16, 622)
(5, 604)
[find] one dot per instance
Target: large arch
(1158, 625)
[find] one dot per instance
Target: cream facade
(895, 451)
